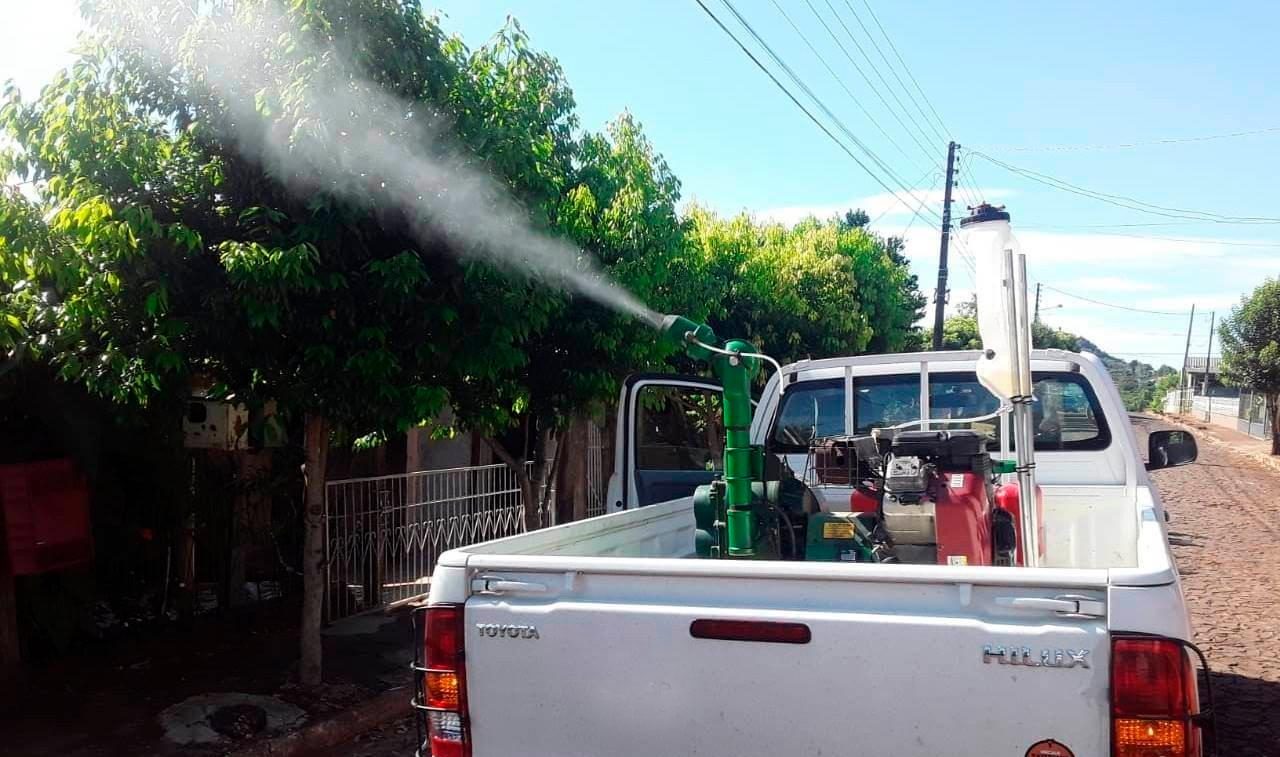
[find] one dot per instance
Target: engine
(937, 503)
(922, 497)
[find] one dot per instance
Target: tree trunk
(316, 442)
(528, 494)
(547, 468)
(251, 525)
(1274, 401)
(571, 462)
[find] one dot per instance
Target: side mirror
(1167, 449)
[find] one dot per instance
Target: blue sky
(1009, 79)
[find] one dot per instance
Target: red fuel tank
(1008, 499)
(962, 517)
(864, 501)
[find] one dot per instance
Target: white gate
(383, 534)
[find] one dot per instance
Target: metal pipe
(736, 364)
(1016, 267)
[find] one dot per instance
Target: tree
(855, 218)
(192, 251)
(619, 201)
(1164, 384)
(1250, 339)
(811, 290)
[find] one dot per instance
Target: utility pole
(1036, 319)
(940, 294)
(1208, 351)
(1186, 355)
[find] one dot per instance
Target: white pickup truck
(612, 637)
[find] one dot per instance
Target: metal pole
(940, 294)
(1024, 438)
(1186, 355)
(1036, 317)
(1209, 350)
(1026, 450)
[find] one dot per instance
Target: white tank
(987, 235)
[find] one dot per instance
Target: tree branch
(505, 456)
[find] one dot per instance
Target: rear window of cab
(1067, 414)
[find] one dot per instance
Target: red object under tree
(45, 506)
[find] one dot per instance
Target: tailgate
(890, 668)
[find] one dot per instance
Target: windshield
(1067, 415)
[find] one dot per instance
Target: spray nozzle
(689, 336)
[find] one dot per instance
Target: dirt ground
(1225, 531)
(104, 700)
(396, 739)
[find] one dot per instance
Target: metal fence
(1254, 417)
(384, 534)
(596, 484)
(1246, 413)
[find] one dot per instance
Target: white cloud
(1216, 301)
(1060, 247)
(1110, 284)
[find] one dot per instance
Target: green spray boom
(735, 364)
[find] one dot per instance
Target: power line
(863, 74)
(1112, 304)
(812, 96)
(1184, 240)
(840, 81)
(880, 51)
(1126, 202)
(905, 67)
(1131, 145)
(971, 174)
(931, 173)
(1135, 225)
(876, 68)
(973, 195)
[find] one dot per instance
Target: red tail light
(750, 630)
(1153, 699)
(443, 683)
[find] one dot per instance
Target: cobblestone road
(1225, 531)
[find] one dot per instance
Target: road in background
(1225, 530)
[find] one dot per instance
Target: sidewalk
(1212, 433)
(226, 685)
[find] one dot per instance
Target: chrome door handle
(498, 585)
(1066, 605)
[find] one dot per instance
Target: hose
(758, 355)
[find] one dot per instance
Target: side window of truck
(678, 441)
(678, 429)
(811, 410)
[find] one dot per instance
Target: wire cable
(1112, 304)
(1179, 240)
(1126, 202)
(941, 135)
(856, 100)
(1131, 145)
(798, 104)
(925, 198)
(866, 78)
(876, 69)
(905, 67)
